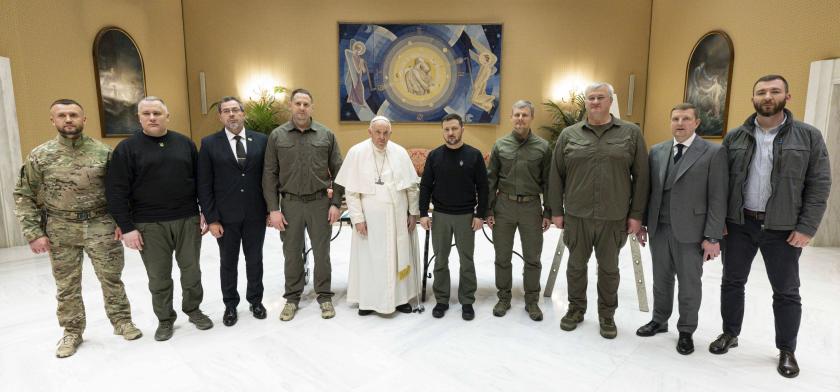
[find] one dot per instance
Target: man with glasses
(598, 193)
(230, 168)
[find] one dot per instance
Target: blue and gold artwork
(419, 72)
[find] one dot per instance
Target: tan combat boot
(68, 344)
(288, 312)
(327, 310)
(128, 330)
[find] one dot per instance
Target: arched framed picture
(708, 76)
(120, 81)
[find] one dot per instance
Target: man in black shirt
(151, 193)
(453, 178)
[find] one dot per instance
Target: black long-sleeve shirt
(152, 179)
(453, 179)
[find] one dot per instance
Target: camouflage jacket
(63, 175)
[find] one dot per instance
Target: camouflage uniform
(61, 194)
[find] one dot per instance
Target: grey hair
(599, 85)
(229, 98)
(152, 98)
(521, 104)
(380, 118)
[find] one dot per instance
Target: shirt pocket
(507, 161)
(794, 160)
(319, 156)
(621, 148)
(578, 149)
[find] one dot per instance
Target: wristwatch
(712, 240)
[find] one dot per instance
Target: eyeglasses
(232, 111)
(593, 98)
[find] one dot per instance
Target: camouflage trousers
(68, 240)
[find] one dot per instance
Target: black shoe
(365, 312)
(723, 343)
(685, 344)
(440, 310)
(651, 328)
(467, 312)
(230, 317)
(404, 308)
(258, 311)
(787, 364)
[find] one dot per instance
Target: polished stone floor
(407, 352)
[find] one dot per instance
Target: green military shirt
(600, 174)
(519, 167)
(61, 175)
(300, 163)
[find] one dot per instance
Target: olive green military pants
(607, 237)
(311, 217)
(160, 240)
(527, 217)
(68, 240)
(444, 227)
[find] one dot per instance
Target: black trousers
(782, 263)
(251, 235)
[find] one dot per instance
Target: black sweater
(152, 179)
(452, 179)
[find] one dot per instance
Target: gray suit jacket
(699, 193)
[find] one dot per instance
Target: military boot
(608, 329)
(288, 312)
(67, 345)
(534, 312)
(164, 331)
(570, 321)
(327, 310)
(128, 330)
(200, 320)
(501, 307)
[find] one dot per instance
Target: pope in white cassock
(381, 188)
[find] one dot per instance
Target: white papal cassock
(384, 266)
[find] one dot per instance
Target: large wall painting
(419, 72)
(120, 81)
(707, 80)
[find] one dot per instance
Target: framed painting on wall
(120, 81)
(419, 72)
(707, 80)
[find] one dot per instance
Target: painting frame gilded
(708, 81)
(120, 81)
(419, 72)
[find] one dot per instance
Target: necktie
(679, 153)
(240, 151)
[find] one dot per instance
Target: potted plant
(568, 111)
(267, 111)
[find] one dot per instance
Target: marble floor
(407, 352)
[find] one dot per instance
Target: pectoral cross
(379, 181)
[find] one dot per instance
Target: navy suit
(232, 196)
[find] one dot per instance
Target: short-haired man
(517, 176)
(685, 217)
(455, 181)
(779, 178)
(301, 159)
(230, 169)
(599, 189)
(151, 191)
(60, 203)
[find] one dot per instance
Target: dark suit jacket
(699, 193)
(226, 192)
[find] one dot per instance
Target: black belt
(754, 215)
(78, 215)
(519, 198)
(310, 197)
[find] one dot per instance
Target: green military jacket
(600, 175)
(64, 175)
(300, 163)
(519, 167)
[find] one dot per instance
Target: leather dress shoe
(787, 364)
(365, 312)
(259, 311)
(723, 343)
(685, 344)
(230, 317)
(651, 328)
(404, 308)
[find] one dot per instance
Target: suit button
(242, 190)
(243, 174)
